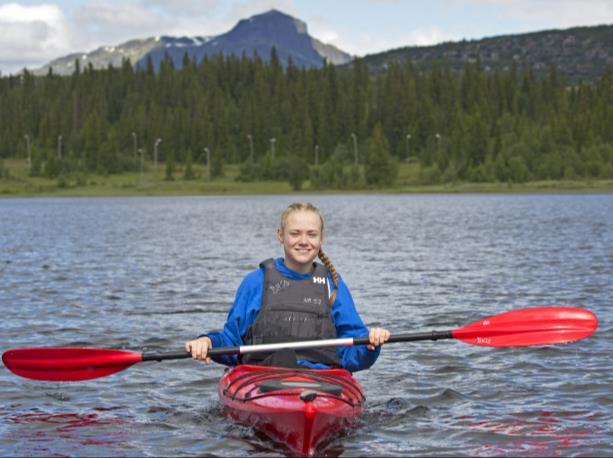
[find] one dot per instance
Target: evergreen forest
(338, 128)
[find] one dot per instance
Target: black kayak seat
(278, 385)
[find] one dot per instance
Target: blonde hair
(307, 206)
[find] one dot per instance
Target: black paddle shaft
(403, 337)
(184, 354)
(409, 337)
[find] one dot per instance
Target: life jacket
(293, 310)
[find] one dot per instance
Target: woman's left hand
(377, 336)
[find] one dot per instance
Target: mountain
(135, 50)
(579, 53)
(256, 35)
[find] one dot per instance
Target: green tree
(52, 165)
(315, 177)
(517, 169)
(170, 167)
(188, 169)
(5, 173)
(250, 171)
(217, 164)
(298, 171)
(562, 130)
(380, 168)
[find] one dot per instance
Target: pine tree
(217, 164)
(483, 119)
(188, 169)
(298, 171)
(379, 167)
(170, 167)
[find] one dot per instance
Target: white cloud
(30, 34)
(426, 36)
(101, 22)
(319, 28)
(367, 43)
(371, 42)
(109, 22)
(525, 16)
(245, 8)
(184, 7)
(33, 35)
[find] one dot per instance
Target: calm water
(150, 273)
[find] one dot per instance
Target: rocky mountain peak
(256, 35)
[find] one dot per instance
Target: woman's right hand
(199, 348)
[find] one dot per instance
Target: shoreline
(554, 187)
(152, 183)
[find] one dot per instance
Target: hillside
(580, 53)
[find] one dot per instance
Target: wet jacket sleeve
(349, 324)
(242, 314)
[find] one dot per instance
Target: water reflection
(541, 433)
(258, 444)
(69, 433)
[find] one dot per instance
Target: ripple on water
(147, 274)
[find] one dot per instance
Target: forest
(337, 128)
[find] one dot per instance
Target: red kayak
(303, 409)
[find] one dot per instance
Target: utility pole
(141, 151)
(155, 153)
(408, 148)
(27, 137)
(208, 163)
(355, 148)
(273, 140)
(134, 141)
(250, 137)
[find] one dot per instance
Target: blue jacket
(247, 305)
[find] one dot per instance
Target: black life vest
(293, 310)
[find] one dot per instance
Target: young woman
(292, 299)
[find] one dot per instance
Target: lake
(147, 274)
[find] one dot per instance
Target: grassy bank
(17, 182)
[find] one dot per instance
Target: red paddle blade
(67, 364)
(533, 326)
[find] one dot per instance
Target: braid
(326, 260)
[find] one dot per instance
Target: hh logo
(319, 280)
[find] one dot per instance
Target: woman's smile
(301, 238)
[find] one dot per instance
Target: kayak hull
(303, 409)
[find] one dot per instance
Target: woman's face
(301, 238)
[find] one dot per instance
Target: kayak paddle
(518, 328)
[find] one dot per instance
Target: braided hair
(307, 206)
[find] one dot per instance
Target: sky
(33, 32)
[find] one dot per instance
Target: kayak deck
(301, 408)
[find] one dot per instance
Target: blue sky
(33, 32)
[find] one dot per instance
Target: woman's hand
(199, 348)
(377, 336)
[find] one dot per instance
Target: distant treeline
(339, 128)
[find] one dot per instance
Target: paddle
(534, 326)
